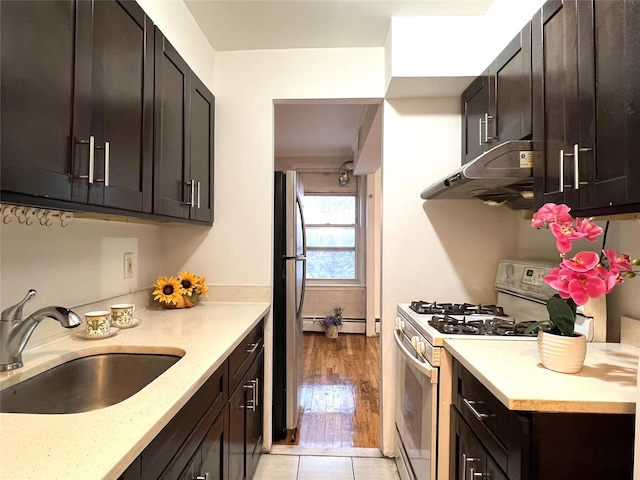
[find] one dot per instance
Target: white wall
(174, 20)
(437, 249)
(239, 247)
(454, 46)
(80, 263)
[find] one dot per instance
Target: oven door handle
(424, 367)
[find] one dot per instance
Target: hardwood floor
(341, 391)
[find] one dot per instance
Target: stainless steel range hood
(500, 176)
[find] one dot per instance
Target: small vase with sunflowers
(183, 291)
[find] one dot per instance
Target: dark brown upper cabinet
(38, 56)
(184, 126)
(77, 100)
(587, 105)
(496, 106)
(476, 115)
(511, 72)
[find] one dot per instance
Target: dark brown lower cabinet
(490, 441)
(472, 458)
(245, 433)
(215, 436)
(180, 441)
(209, 462)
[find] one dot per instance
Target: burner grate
(434, 308)
(492, 326)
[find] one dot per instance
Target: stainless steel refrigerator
(289, 272)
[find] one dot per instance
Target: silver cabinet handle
(465, 461)
(106, 164)
(198, 203)
(487, 117)
(252, 347)
(253, 385)
(257, 391)
(475, 474)
(561, 170)
(471, 406)
(92, 145)
(202, 477)
(192, 186)
(576, 165)
(479, 132)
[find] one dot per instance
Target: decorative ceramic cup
(122, 314)
(98, 323)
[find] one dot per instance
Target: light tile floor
(317, 466)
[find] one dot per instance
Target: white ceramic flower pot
(560, 353)
(331, 331)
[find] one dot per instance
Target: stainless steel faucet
(16, 331)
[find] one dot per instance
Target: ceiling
(314, 128)
(269, 24)
(317, 129)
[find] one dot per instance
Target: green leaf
(562, 314)
(534, 326)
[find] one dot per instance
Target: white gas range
(423, 376)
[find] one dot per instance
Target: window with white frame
(332, 221)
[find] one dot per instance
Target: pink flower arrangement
(585, 275)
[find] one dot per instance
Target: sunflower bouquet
(183, 291)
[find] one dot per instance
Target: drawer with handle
(244, 355)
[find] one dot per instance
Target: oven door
(416, 412)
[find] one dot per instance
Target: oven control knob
(399, 324)
(418, 345)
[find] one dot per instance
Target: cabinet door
(213, 450)
(121, 69)
(254, 417)
(237, 420)
(471, 458)
(476, 119)
(201, 128)
(609, 78)
(555, 94)
(512, 76)
(469, 453)
(245, 417)
(171, 148)
(37, 85)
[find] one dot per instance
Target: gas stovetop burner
(435, 308)
(491, 326)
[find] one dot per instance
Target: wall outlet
(128, 265)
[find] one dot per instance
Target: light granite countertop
(512, 371)
(101, 444)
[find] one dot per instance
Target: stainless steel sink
(86, 383)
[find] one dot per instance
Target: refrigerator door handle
(304, 284)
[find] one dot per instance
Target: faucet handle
(15, 312)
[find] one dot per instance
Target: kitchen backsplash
(49, 330)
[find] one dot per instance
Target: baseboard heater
(349, 325)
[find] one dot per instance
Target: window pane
(331, 265)
(331, 237)
(335, 209)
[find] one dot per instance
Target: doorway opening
(337, 145)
